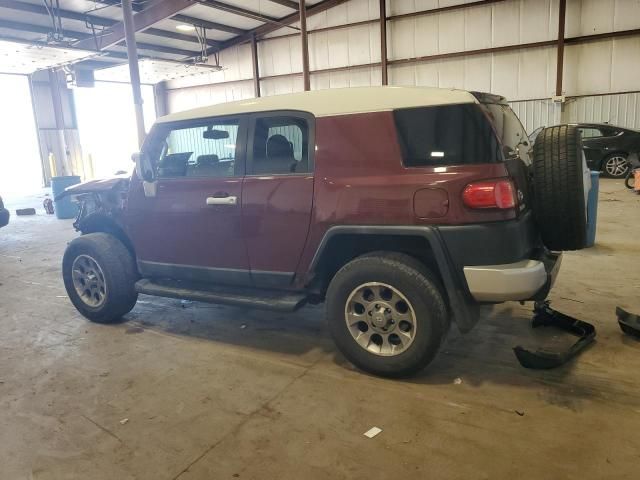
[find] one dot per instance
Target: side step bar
(276, 300)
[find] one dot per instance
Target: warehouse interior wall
(526, 77)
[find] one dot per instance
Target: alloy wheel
(380, 319)
(88, 281)
(616, 166)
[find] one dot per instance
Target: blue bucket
(592, 208)
(64, 208)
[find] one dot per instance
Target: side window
(590, 132)
(206, 150)
(280, 146)
(445, 135)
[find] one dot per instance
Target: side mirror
(144, 167)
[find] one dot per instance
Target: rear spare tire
(559, 203)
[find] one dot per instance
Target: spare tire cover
(559, 201)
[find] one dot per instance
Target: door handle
(228, 200)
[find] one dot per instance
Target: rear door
(192, 228)
(277, 194)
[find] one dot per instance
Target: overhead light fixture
(183, 27)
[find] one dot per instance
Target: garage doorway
(20, 166)
(107, 125)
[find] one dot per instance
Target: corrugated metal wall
(537, 113)
(598, 67)
(622, 110)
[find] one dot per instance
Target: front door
(192, 228)
(278, 194)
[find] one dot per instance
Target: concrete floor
(200, 391)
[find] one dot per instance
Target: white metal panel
(537, 113)
(538, 20)
(505, 29)
(477, 28)
(618, 109)
(451, 32)
(193, 97)
(625, 64)
(626, 14)
(602, 67)
(477, 73)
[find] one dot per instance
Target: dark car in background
(4, 214)
(606, 147)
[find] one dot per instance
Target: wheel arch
(342, 244)
(100, 222)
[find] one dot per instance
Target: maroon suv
(401, 208)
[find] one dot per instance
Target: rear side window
(280, 146)
(446, 135)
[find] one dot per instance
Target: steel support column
(254, 63)
(305, 46)
(134, 72)
(562, 9)
(383, 41)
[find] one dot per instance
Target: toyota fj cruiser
(402, 209)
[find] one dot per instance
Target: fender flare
(465, 310)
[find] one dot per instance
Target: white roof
(336, 101)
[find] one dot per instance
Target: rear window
(446, 135)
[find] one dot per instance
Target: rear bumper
(523, 280)
(4, 217)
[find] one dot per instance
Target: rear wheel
(559, 176)
(387, 314)
(99, 275)
(615, 165)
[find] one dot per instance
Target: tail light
(499, 193)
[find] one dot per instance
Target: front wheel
(99, 275)
(616, 166)
(386, 314)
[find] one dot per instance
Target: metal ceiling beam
(95, 20)
(243, 12)
(286, 3)
(198, 22)
(155, 12)
(87, 37)
(282, 22)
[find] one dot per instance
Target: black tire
(424, 294)
(629, 180)
(559, 203)
(118, 268)
(610, 171)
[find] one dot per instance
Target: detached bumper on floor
(523, 280)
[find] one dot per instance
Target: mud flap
(629, 322)
(545, 316)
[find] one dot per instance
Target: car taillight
(499, 193)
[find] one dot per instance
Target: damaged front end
(101, 203)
